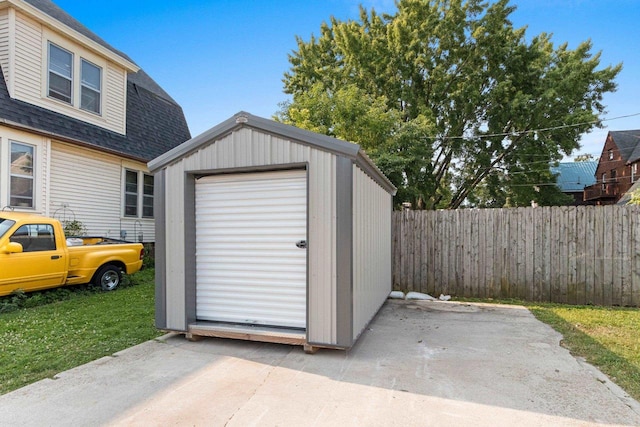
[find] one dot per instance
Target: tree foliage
(451, 101)
(585, 157)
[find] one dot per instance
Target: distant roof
(155, 122)
(628, 142)
(574, 176)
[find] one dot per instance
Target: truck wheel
(108, 277)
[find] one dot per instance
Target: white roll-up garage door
(249, 266)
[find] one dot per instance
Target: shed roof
(305, 137)
(574, 176)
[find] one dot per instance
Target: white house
(79, 120)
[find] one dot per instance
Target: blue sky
(217, 57)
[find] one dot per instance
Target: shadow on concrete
(418, 363)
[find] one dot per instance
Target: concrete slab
(418, 364)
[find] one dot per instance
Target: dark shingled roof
(155, 122)
(628, 142)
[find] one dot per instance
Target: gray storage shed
(271, 233)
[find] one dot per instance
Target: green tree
(451, 101)
(586, 157)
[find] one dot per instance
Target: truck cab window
(5, 225)
(35, 237)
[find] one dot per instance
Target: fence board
(579, 245)
(589, 255)
(635, 257)
(576, 255)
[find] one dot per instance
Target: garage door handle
(302, 244)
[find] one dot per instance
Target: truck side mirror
(12, 248)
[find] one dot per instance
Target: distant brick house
(617, 168)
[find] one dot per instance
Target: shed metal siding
(159, 183)
(372, 207)
(174, 235)
(246, 148)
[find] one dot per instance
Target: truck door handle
(56, 256)
(302, 244)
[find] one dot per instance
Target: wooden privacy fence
(574, 255)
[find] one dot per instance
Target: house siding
(248, 148)
(115, 85)
(89, 184)
(28, 59)
(28, 75)
(372, 207)
(4, 44)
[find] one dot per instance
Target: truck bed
(93, 240)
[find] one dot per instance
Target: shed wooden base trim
(249, 333)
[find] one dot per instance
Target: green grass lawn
(42, 334)
(607, 337)
(39, 342)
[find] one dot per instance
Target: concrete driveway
(418, 364)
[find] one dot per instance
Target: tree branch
(466, 188)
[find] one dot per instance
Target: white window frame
(140, 194)
(610, 154)
(126, 193)
(634, 172)
(50, 70)
(84, 86)
(146, 196)
(79, 56)
(34, 149)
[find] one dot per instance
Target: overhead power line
(524, 132)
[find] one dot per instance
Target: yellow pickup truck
(36, 255)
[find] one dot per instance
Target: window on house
(634, 172)
(60, 73)
(614, 174)
(131, 193)
(604, 180)
(90, 84)
(147, 196)
(138, 194)
(22, 175)
(610, 154)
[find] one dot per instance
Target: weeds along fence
(571, 255)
